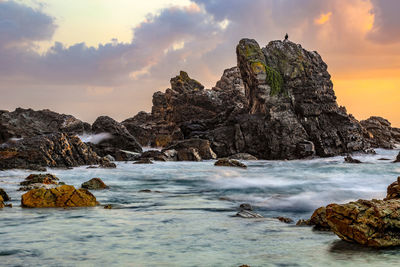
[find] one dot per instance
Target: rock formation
(52, 150)
(246, 211)
(29, 123)
(4, 195)
(380, 133)
(393, 190)
(230, 163)
(94, 184)
(35, 181)
(397, 158)
(59, 197)
(201, 146)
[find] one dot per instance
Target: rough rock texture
(120, 139)
(62, 196)
(230, 163)
(373, 223)
(94, 184)
(188, 154)
(4, 195)
(202, 146)
(154, 155)
(35, 181)
(243, 156)
(28, 123)
(349, 159)
(318, 219)
(397, 158)
(1, 202)
(53, 150)
(144, 161)
(380, 132)
(393, 190)
(246, 211)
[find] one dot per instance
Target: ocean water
(190, 222)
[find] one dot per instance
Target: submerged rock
(397, 158)
(230, 163)
(35, 181)
(4, 195)
(380, 134)
(349, 159)
(202, 147)
(60, 197)
(246, 211)
(284, 219)
(154, 155)
(94, 184)
(373, 223)
(144, 161)
(53, 150)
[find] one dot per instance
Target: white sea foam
(95, 138)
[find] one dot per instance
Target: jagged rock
(94, 184)
(349, 159)
(202, 146)
(318, 219)
(144, 161)
(4, 195)
(397, 158)
(35, 181)
(53, 150)
(188, 154)
(303, 222)
(380, 133)
(62, 196)
(284, 219)
(155, 155)
(373, 223)
(246, 211)
(1, 202)
(23, 123)
(120, 139)
(229, 163)
(242, 156)
(107, 164)
(393, 190)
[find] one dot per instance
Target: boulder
(188, 154)
(318, 219)
(94, 184)
(120, 139)
(349, 159)
(52, 150)
(229, 163)
(35, 181)
(4, 195)
(373, 223)
(284, 219)
(202, 146)
(59, 197)
(154, 155)
(23, 123)
(393, 190)
(380, 133)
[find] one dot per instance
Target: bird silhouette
(286, 37)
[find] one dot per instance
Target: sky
(107, 57)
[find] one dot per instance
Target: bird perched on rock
(286, 37)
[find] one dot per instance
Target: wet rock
(53, 150)
(242, 156)
(62, 196)
(393, 190)
(35, 181)
(4, 195)
(1, 202)
(349, 159)
(23, 123)
(397, 158)
(144, 161)
(303, 222)
(229, 163)
(380, 133)
(246, 211)
(318, 219)
(188, 154)
(154, 155)
(94, 184)
(202, 146)
(383, 159)
(108, 206)
(107, 165)
(285, 219)
(92, 167)
(120, 139)
(373, 223)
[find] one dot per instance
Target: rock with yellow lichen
(59, 197)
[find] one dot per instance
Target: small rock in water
(108, 206)
(91, 167)
(303, 222)
(144, 161)
(285, 219)
(393, 190)
(107, 164)
(242, 156)
(398, 158)
(4, 195)
(35, 181)
(94, 184)
(145, 191)
(1, 202)
(349, 159)
(246, 211)
(229, 163)
(383, 159)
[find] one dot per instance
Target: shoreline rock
(230, 163)
(351, 160)
(35, 181)
(94, 184)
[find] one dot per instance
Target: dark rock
(53, 150)
(318, 219)
(60, 197)
(92, 167)
(23, 123)
(35, 181)
(397, 158)
(144, 161)
(1, 202)
(145, 191)
(154, 155)
(242, 156)
(108, 165)
(246, 211)
(349, 159)
(188, 154)
(108, 206)
(201, 146)
(94, 184)
(393, 190)
(303, 222)
(380, 133)
(285, 219)
(120, 139)
(383, 159)
(229, 163)
(4, 195)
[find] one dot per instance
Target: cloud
(386, 27)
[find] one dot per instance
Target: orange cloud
(323, 18)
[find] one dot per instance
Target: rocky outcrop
(230, 163)
(35, 181)
(4, 195)
(373, 223)
(393, 190)
(120, 138)
(59, 197)
(154, 155)
(94, 184)
(53, 150)
(23, 123)
(380, 133)
(318, 219)
(201, 146)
